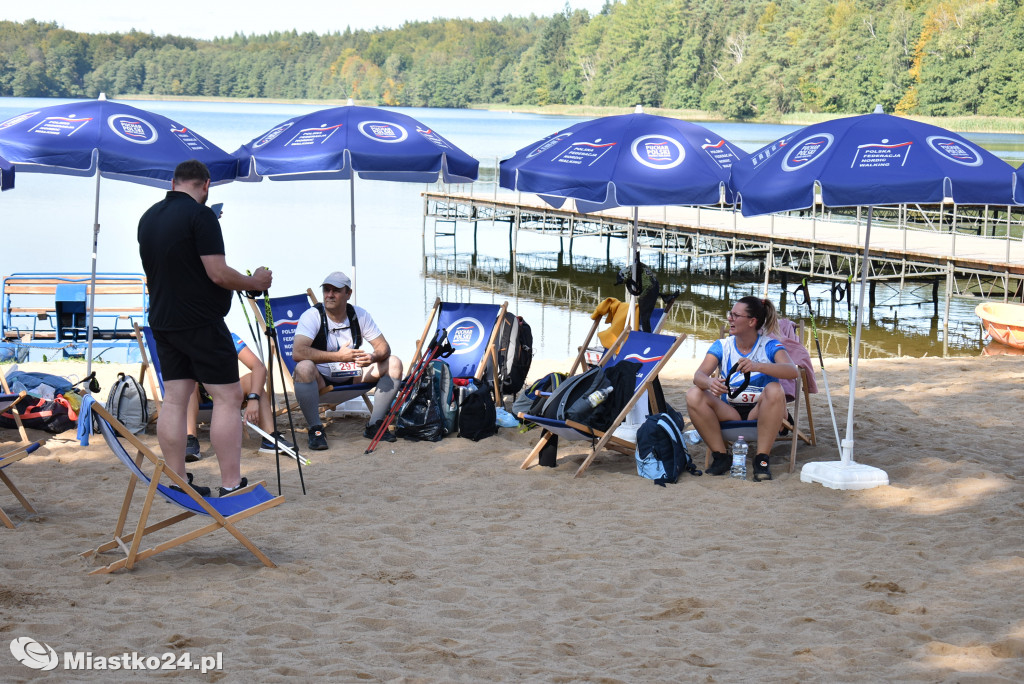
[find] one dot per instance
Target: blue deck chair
(594, 352)
(223, 513)
(286, 312)
(147, 352)
(472, 332)
(7, 401)
(653, 351)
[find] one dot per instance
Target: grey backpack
(127, 402)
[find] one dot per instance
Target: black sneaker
(761, 471)
(192, 449)
(267, 445)
(201, 491)
(223, 491)
(370, 431)
(721, 463)
(317, 441)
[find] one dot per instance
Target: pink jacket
(790, 339)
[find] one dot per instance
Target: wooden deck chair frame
(331, 395)
(732, 429)
(224, 512)
(8, 401)
(489, 354)
(607, 439)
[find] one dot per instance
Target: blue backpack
(661, 453)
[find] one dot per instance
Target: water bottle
(692, 437)
(599, 396)
(739, 458)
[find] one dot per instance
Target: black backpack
(429, 414)
(477, 414)
(661, 453)
(515, 353)
(568, 399)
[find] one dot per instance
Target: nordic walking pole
(821, 359)
(434, 350)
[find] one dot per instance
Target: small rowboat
(1003, 322)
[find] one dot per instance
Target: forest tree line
(740, 59)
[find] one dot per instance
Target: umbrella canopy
(109, 140)
(866, 160)
(6, 175)
(1018, 185)
(869, 160)
(341, 142)
(114, 139)
(629, 160)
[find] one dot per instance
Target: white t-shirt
(339, 336)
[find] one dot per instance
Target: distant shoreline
(968, 124)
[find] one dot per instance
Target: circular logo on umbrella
(383, 131)
(271, 134)
(465, 335)
(547, 144)
(955, 150)
(658, 151)
(807, 151)
(133, 129)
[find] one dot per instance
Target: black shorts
(339, 383)
(206, 354)
(744, 409)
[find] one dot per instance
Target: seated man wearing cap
(324, 347)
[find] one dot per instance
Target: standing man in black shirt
(190, 287)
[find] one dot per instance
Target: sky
(226, 17)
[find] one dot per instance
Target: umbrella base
(844, 475)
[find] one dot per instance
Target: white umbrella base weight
(844, 475)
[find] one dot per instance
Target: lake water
(301, 231)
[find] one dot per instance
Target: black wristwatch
(252, 395)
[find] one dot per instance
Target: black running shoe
(317, 441)
(192, 449)
(267, 445)
(720, 465)
(224, 491)
(201, 491)
(761, 471)
(370, 431)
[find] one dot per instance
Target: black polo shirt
(173, 234)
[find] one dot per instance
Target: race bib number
(343, 370)
(748, 396)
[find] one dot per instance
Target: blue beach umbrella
(868, 160)
(108, 140)
(342, 142)
(6, 175)
(627, 160)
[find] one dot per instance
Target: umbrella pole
(92, 281)
(634, 254)
(846, 473)
(352, 213)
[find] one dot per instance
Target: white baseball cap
(338, 280)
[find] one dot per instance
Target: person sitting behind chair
(256, 405)
(325, 355)
(730, 395)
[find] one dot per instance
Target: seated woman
(256, 406)
(747, 387)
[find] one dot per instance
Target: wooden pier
(975, 252)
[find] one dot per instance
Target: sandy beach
(442, 562)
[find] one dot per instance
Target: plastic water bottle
(739, 458)
(599, 396)
(692, 437)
